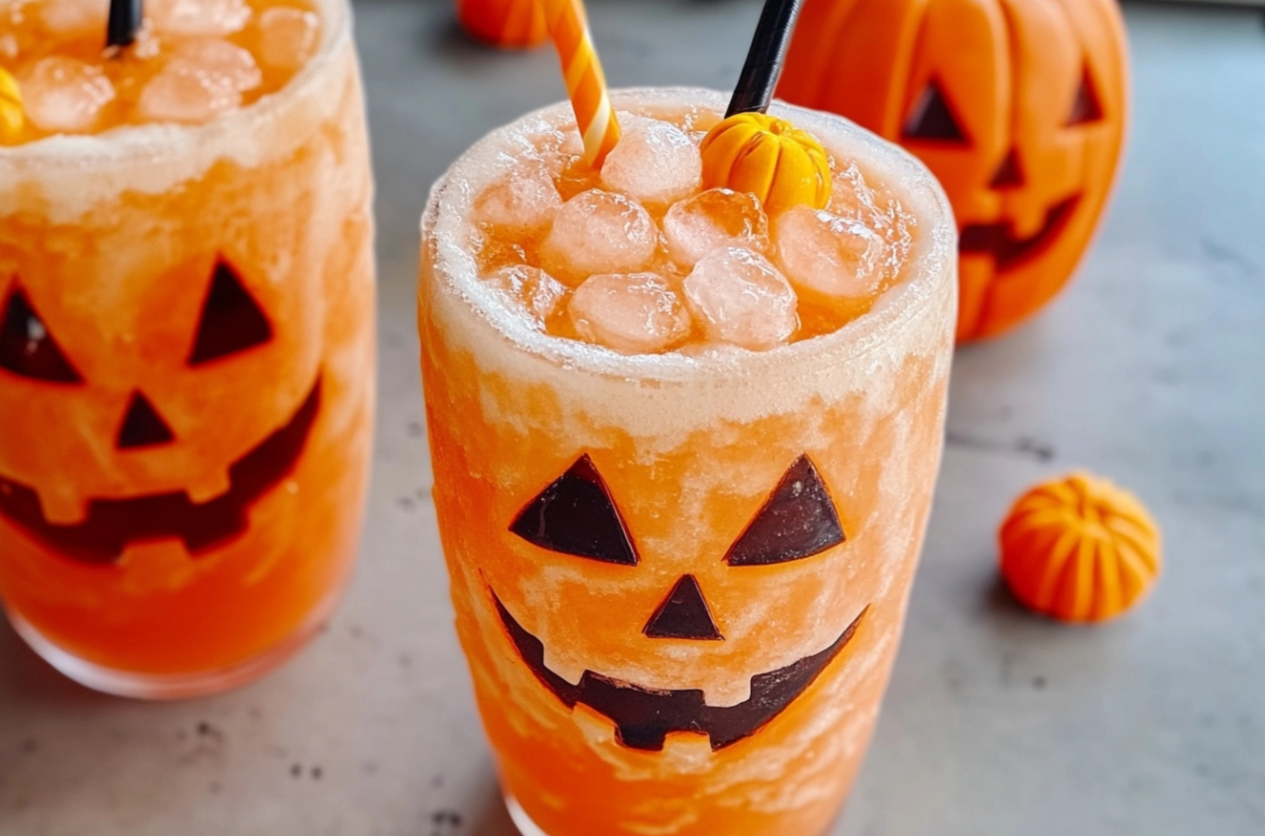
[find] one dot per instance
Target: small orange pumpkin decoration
(1017, 106)
(1079, 549)
(771, 158)
(512, 24)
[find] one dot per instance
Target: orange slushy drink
(186, 337)
(684, 455)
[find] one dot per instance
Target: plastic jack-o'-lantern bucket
(1017, 106)
(186, 384)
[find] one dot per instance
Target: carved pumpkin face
(1017, 106)
(576, 515)
(124, 441)
(186, 385)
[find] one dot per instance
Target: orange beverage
(186, 339)
(682, 473)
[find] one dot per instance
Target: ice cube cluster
(639, 258)
(192, 60)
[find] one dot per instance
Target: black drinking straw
(125, 20)
(764, 61)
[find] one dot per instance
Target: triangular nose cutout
(143, 426)
(683, 615)
(1009, 174)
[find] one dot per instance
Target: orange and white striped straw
(586, 85)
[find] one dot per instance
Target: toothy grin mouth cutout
(113, 524)
(644, 716)
(1007, 251)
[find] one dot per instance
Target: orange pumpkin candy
(780, 164)
(1017, 106)
(1079, 549)
(505, 23)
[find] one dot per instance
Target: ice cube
(823, 253)
(523, 202)
(737, 296)
(74, 17)
(20, 40)
(635, 313)
(855, 199)
(66, 95)
(851, 196)
(654, 162)
(542, 143)
(202, 77)
(232, 65)
(183, 93)
(899, 235)
(145, 47)
(716, 218)
(599, 232)
(286, 38)
(529, 289)
(198, 17)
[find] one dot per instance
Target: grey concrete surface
(1150, 369)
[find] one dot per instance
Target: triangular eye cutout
(932, 118)
(683, 615)
(575, 515)
(231, 320)
(1086, 107)
(798, 520)
(143, 426)
(27, 348)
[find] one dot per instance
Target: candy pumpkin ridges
(780, 164)
(1079, 549)
(1017, 106)
(11, 114)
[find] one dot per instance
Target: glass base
(173, 686)
(521, 820)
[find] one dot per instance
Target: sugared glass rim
(931, 270)
(159, 141)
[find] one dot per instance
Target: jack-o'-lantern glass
(681, 478)
(186, 345)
